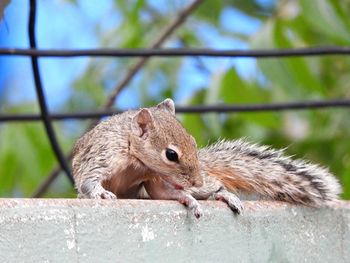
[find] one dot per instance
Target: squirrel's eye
(171, 155)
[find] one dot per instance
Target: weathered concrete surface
(70, 230)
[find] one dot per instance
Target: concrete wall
(69, 230)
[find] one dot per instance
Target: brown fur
(125, 153)
(124, 156)
(232, 183)
(253, 169)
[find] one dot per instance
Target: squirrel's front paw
(197, 211)
(192, 204)
(230, 199)
(102, 194)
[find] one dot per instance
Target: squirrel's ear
(142, 122)
(167, 104)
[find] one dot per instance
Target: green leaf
(194, 123)
(324, 16)
(234, 89)
(22, 167)
(294, 76)
(212, 97)
(210, 11)
(298, 68)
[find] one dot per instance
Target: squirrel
(147, 153)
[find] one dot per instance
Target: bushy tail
(253, 169)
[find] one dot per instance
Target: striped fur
(254, 169)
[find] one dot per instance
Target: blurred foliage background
(321, 136)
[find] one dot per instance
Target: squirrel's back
(253, 169)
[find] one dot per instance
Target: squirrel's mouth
(178, 187)
(175, 184)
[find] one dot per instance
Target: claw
(197, 212)
(192, 204)
(230, 199)
(103, 194)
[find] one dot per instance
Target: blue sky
(77, 30)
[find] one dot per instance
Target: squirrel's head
(161, 143)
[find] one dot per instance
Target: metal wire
(176, 52)
(168, 30)
(45, 116)
(283, 106)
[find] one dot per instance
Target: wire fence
(144, 54)
(176, 52)
(298, 105)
